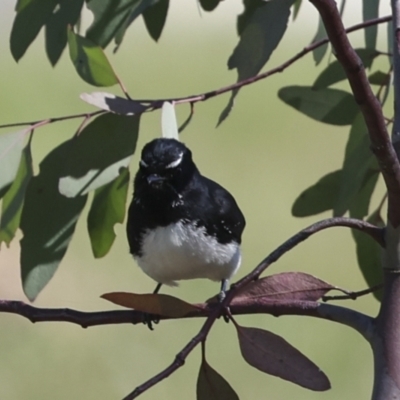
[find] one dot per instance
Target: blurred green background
(265, 154)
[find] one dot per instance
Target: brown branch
(156, 104)
(369, 105)
(213, 311)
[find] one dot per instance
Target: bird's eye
(175, 163)
(143, 164)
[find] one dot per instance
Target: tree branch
(369, 105)
(156, 104)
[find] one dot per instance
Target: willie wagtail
(182, 225)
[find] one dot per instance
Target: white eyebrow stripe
(143, 164)
(175, 163)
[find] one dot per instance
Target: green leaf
(155, 17)
(99, 152)
(369, 256)
(48, 222)
(319, 197)
(334, 72)
(358, 160)
(14, 198)
(107, 209)
(109, 16)
(319, 52)
(332, 106)
(11, 147)
(261, 27)
(370, 11)
(68, 13)
(169, 125)
(212, 386)
(296, 9)
(209, 5)
(90, 61)
(31, 16)
(379, 78)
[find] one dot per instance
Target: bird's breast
(184, 250)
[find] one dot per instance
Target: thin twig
(353, 295)
(156, 104)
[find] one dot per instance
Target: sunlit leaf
(320, 51)
(319, 197)
(209, 5)
(107, 209)
(67, 13)
(169, 125)
(370, 11)
(212, 386)
(114, 104)
(155, 17)
(261, 27)
(358, 160)
(158, 304)
(99, 152)
(334, 72)
(286, 286)
(48, 222)
(11, 146)
(90, 61)
(14, 198)
(273, 355)
(332, 106)
(31, 16)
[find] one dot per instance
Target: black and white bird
(182, 225)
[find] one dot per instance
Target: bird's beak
(155, 180)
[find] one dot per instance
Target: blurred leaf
(169, 125)
(296, 9)
(261, 27)
(14, 198)
(67, 13)
(379, 78)
(109, 16)
(334, 72)
(209, 5)
(319, 52)
(157, 304)
(357, 162)
(155, 17)
(107, 209)
(332, 106)
(48, 222)
(99, 152)
(370, 11)
(31, 16)
(90, 61)
(114, 104)
(212, 386)
(11, 147)
(286, 286)
(360, 205)
(273, 355)
(319, 197)
(369, 256)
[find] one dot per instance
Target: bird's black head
(166, 167)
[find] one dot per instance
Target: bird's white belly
(182, 251)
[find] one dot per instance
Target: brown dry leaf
(212, 386)
(158, 304)
(273, 355)
(286, 286)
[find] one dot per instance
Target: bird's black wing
(225, 218)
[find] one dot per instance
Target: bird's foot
(150, 319)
